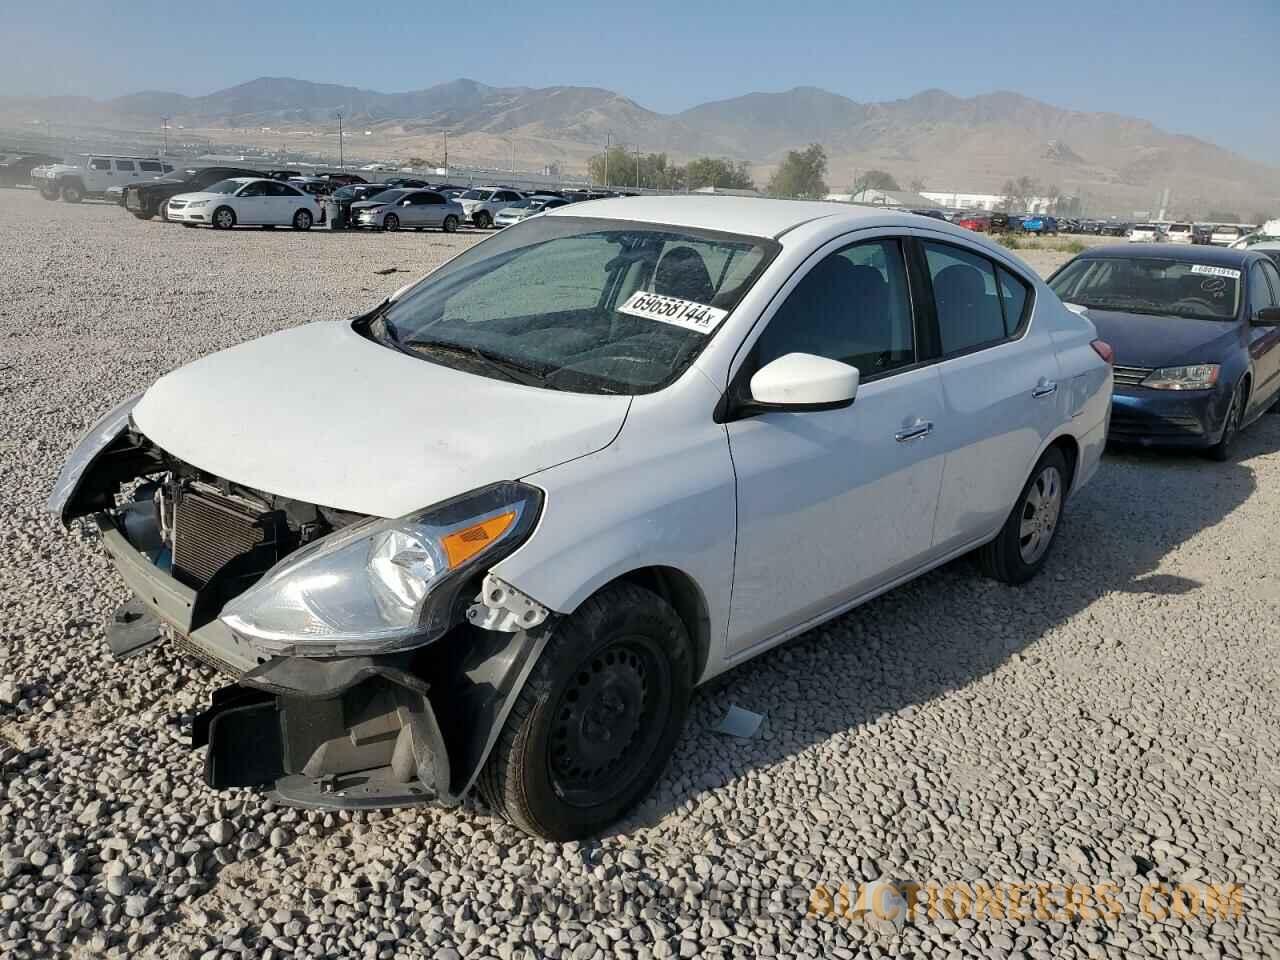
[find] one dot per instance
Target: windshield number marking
(688, 314)
(1216, 271)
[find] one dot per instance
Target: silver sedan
(408, 208)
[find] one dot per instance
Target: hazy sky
(1190, 67)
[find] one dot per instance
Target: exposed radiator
(211, 530)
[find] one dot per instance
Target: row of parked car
(225, 196)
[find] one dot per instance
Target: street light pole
(342, 164)
(608, 145)
(637, 166)
(164, 121)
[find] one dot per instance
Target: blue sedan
(1196, 334)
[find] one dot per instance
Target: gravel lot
(1115, 721)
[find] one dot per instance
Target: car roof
(1209, 256)
(749, 216)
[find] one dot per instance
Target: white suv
(482, 204)
(95, 175)
(1182, 233)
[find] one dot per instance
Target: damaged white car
(496, 530)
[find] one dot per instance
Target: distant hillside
(949, 142)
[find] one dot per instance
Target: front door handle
(1045, 388)
(921, 428)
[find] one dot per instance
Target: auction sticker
(1216, 271)
(680, 313)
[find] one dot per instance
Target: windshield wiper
(511, 370)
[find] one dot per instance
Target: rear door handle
(921, 428)
(1045, 388)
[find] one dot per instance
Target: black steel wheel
(391, 222)
(595, 723)
(483, 220)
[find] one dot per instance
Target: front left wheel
(224, 218)
(597, 720)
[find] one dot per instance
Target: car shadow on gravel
(953, 626)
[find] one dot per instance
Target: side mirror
(802, 382)
(1267, 317)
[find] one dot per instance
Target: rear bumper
(1167, 418)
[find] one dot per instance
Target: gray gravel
(1115, 721)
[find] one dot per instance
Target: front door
(836, 503)
(1264, 341)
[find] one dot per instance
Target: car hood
(320, 414)
(366, 204)
(1141, 340)
(201, 195)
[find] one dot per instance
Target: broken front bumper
(343, 732)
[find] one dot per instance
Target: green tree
(874, 180)
(717, 172)
(801, 174)
(655, 171)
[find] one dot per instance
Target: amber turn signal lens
(461, 545)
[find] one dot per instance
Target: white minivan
(494, 531)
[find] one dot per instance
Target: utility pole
(608, 145)
(446, 153)
(637, 166)
(164, 121)
(513, 154)
(341, 161)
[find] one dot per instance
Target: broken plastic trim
(500, 606)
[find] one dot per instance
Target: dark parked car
(146, 198)
(339, 205)
(413, 182)
(15, 169)
(934, 214)
(282, 174)
(1115, 228)
(1196, 334)
(343, 179)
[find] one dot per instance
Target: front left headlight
(1196, 376)
(198, 203)
(383, 585)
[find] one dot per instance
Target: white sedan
(494, 531)
(246, 201)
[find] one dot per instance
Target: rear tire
(224, 218)
(72, 193)
(302, 220)
(1024, 542)
(592, 729)
(450, 224)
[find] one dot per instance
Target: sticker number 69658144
(688, 314)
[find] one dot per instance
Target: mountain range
(968, 144)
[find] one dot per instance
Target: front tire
(597, 720)
(1022, 545)
(1222, 450)
(71, 193)
(450, 224)
(224, 218)
(483, 220)
(391, 222)
(302, 220)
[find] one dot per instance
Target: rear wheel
(597, 720)
(1022, 545)
(72, 193)
(483, 220)
(302, 220)
(450, 224)
(391, 222)
(224, 218)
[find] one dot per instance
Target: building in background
(984, 201)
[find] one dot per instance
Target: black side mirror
(1267, 317)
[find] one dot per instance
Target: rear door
(1000, 377)
(283, 202)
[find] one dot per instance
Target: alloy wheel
(1040, 511)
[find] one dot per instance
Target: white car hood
(201, 195)
(320, 414)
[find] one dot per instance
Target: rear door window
(149, 166)
(125, 166)
(966, 296)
